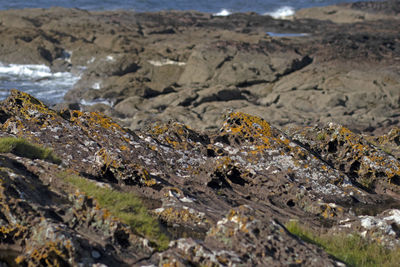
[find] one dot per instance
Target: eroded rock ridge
(223, 197)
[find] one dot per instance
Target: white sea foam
(37, 80)
(33, 71)
(223, 13)
(282, 12)
(96, 101)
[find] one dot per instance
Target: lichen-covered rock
(381, 228)
(223, 197)
(40, 226)
(364, 162)
(390, 142)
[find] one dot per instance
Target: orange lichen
(159, 129)
(175, 134)
(50, 254)
(18, 260)
(106, 159)
(14, 231)
(29, 106)
(174, 215)
(330, 211)
(106, 214)
(144, 176)
(172, 264)
(95, 119)
(248, 126)
(241, 220)
(259, 134)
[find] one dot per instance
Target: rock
(114, 65)
(218, 94)
(352, 12)
(340, 147)
(237, 63)
(185, 64)
(129, 105)
(220, 183)
(223, 196)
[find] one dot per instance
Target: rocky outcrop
(192, 67)
(222, 197)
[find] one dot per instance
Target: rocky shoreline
(221, 198)
(219, 136)
(192, 67)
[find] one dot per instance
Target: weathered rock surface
(223, 196)
(192, 67)
(353, 12)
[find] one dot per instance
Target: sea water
(223, 7)
(37, 80)
(50, 87)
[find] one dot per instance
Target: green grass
(352, 249)
(23, 148)
(125, 206)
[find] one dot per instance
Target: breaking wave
(282, 12)
(38, 80)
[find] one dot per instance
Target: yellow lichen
(241, 220)
(330, 211)
(175, 215)
(248, 126)
(30, 106)
(259, 133)
(106, 159)
(368, 157)
(18, 260)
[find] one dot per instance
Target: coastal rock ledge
(169, 195)
(339, 63)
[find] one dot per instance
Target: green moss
(367, 182)
(23, 148)
(125, 206)
(321, 136)
(352, 249)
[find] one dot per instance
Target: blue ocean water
(212, 6)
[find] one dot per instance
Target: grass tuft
(23, 148)
(353, 249)
(125, 206)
